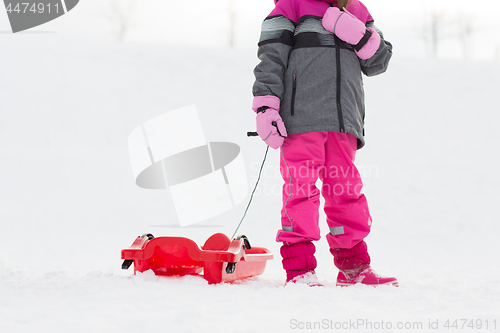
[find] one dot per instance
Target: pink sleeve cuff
(271, 101)
(371, 47)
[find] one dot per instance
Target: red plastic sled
(220, 259)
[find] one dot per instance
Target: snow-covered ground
(68, 202)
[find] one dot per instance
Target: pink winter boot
(299, 263)
(354, 266)
(366, 276)
(308, 278)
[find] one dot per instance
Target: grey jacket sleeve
(379, 62)
(275, 44)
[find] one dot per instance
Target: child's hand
(271, 128)
(343, 24)
(351, 30)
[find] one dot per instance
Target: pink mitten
(371, 46)
(351, 30)
(271, 128)
(343, 24)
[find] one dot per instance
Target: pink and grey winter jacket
(312, 76)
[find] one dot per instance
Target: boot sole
(347, 284)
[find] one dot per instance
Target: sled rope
(251, 196)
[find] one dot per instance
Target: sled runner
(220, 259)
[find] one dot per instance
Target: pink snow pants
(329, 156)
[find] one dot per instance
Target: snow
(69, 203)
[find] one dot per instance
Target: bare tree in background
(439, 27)
(232, 23)
(465, 33)
(497, 52)
(433, 26)
(121, 15)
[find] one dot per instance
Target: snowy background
(68, 202)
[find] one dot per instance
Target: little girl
(309, 101)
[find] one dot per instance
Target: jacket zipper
(339, 80)
(294, 89)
